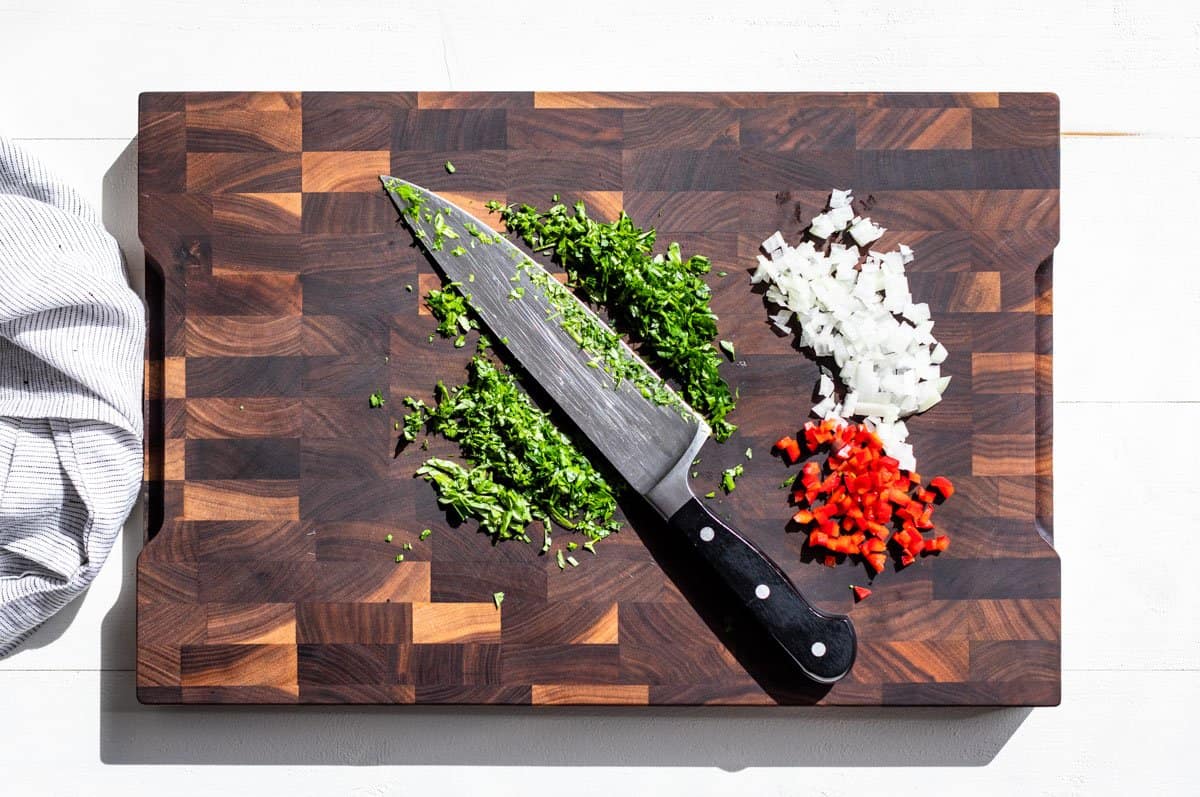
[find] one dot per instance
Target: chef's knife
(651, 443)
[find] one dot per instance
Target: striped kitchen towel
(71, 337)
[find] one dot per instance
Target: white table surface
(1127, 395)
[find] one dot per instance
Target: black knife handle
(822, 645)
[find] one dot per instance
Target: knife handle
(822, 645)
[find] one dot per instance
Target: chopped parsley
(376, 400)
(425, 533)
(661, 301)
(608, 352)
(497, 598)
(450, 168)
(524, 468)
(729, 477)
(449, 307)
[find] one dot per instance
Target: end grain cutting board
(278, 303)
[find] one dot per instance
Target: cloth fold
(71, 352)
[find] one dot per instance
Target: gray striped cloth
(71, 337)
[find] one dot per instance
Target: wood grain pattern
(272, 486)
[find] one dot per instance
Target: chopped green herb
(590, 547)
(460, 341)
(450, 168)
(388, 538)
(407, 546)
(572, 546)
(458, 251)
(727, 347)
(399, 558)
(786, 483)
(376, 399)
(562, 564)
(396, 426)
(471, 276)
(414, 420)
(608, 351)
(524, 468)
(425, 533)
(449, 307)
(722, 274)
(695, 473)
(749, 454)
(516, 293)
(572, 561)
(497, 598)
(730, 476)
(711, 494)
(413, 199)
(661, 301)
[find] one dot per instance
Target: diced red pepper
(860, 593)
(942, 485)
(789, 448)
(849, 503)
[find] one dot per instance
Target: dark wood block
(569, 128)
(247, 458)
(347, 664)
(343, 129)
(449, 129)
(242, 376)
(353, 623)
(790, 129)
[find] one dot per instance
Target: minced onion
(858, 313)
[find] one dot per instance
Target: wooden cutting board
(278, 301)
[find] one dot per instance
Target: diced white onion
(859, 312)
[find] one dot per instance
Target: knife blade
(641, 426)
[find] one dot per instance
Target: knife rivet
(818, 649)
(762, 591)
(707, 534)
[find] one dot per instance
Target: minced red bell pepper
(789, 448)
(858, 502)
(942, 485)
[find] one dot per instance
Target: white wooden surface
(1127, 392)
